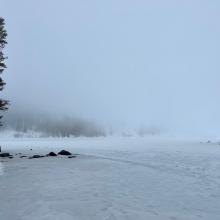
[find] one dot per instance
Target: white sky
(118, 62)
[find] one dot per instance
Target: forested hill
(50, 126)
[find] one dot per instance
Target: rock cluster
(51, 154)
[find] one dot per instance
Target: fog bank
(125, 65)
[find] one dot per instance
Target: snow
(1, 169)
(112, 178)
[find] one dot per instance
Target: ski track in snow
(112, 179)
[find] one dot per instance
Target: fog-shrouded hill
(21, 123)
(30, 123)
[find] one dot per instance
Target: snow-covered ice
(1, 169)
(111, 179)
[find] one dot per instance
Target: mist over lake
(120, 64)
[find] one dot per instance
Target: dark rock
(5, 155)
(51, 154)
(36, 156)
(23, 156)
(64, 152)
(73, 156)
(31, 149)
(11, 157)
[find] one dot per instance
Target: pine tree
(3, 42)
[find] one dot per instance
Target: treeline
(51, 126)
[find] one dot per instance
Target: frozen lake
(111, 179)
(1, 169)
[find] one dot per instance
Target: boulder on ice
(64, 152)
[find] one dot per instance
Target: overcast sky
(118, 62)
